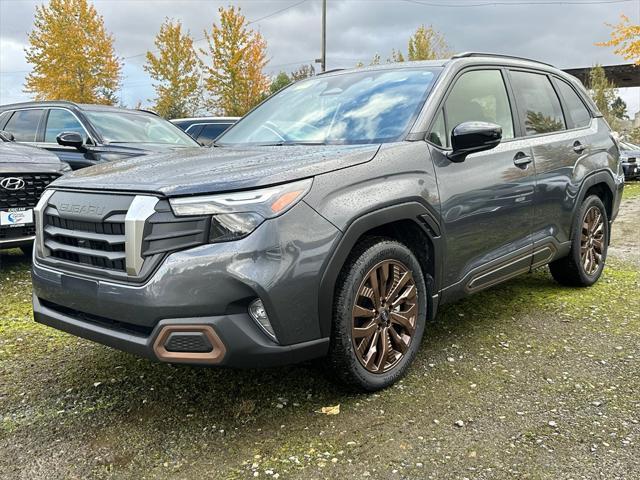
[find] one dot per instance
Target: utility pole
(323, 58)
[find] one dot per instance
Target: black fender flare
(601, 176)
(425, 217)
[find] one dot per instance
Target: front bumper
(211, 285)
(17, 242)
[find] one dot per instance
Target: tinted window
(480, 96)
(344, 108)
(130, 127)
(24, 124)
(438, 135)
(577, 112)
(538, 103)
(61, 121)
(211, 132)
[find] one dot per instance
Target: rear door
(560, 139)
(487, 200)
(24, 124)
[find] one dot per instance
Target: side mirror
(71, 139)
(473, 137)
(7, 136)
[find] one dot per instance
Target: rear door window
(538, 104)
(577, 113)
(60, 121)
(211, 131)
(24, 124)
(479, 96)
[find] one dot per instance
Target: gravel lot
(525, 380)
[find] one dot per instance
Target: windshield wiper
(289, 143)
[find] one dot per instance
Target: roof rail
(497, 55)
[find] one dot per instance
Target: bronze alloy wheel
(384, 316)
(592, 240)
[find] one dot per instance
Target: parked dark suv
(335, 218)
(205, 129)
(24, 174)
(85, 135)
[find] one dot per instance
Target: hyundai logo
(12, 183)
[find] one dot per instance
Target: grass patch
(631, 190)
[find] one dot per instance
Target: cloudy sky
(561, 32)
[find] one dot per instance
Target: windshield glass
(123, 127)
(360, 107)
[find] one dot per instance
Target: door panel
(487, 211)
(487, 200)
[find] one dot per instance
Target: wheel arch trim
(423, 216)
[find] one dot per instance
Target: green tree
(604, 93)
(619, 109)
(235, 77)
(278, 83)
(72, 55)
(176, 72)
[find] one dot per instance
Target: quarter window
(24, 124)
(60, 121)
(438, 135)
(538, 103)
(577, 112)
(479, 95)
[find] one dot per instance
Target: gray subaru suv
(334, 219)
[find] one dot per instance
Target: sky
(561, 32)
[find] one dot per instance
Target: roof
(67, 104)
(623, 76)
(205, 119)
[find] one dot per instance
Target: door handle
(578, 147)
(521, 160)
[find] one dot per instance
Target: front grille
(85, 231)
(27, 197)
(96, 244)
(13, 233)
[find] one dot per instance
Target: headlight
(236, 214)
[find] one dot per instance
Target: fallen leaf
(335, 410)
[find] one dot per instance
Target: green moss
(631, 190)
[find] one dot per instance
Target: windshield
(360, 107)
(123, 127)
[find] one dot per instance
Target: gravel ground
(525, 380)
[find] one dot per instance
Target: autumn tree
(625, 39)
(427, 44)
(238, 55)
(176, 71)
(72, 54)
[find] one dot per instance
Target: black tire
(27, 250)
(570, 270)
(344, 362)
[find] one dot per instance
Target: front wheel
(585, 262)
(379, 315)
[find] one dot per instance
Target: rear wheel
(585, 262)
(379, 315)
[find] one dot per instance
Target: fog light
(259, 314)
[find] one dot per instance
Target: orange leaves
(72, 54)
(234, 78)
(625, 38)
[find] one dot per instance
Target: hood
(136, 148)
(11, 152)
(630, 153)
(207, 170)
